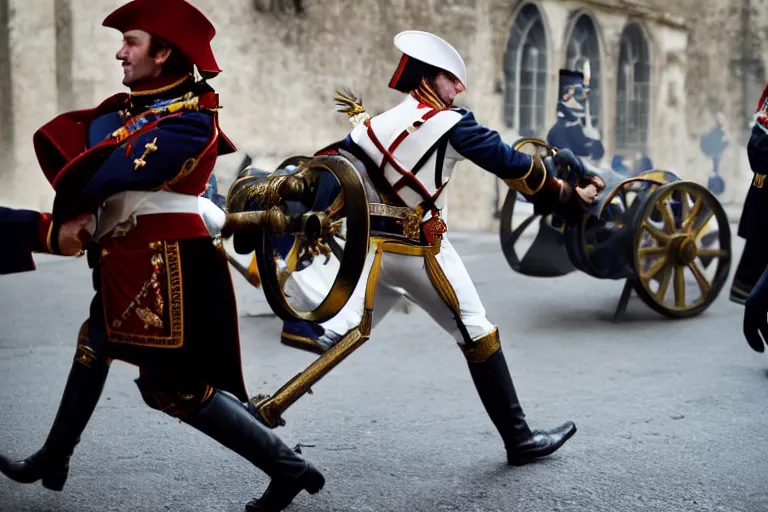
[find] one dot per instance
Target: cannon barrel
(276, 223)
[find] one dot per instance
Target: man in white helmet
(405, 157)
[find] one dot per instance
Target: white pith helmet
(432, 50)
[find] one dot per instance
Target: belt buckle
(126, 226)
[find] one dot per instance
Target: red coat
(164, 296)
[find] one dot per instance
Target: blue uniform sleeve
(757, 149)
(148, 161)
(484, 147)
(20, 230)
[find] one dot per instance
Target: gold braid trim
(425, 94)
(370, 291)
(161, 89)
(442, 284)
(483, 347)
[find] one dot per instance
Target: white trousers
(401, 273)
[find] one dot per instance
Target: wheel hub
(683, 250)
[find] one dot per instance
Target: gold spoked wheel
(346, 217)
(533, 147)
(681, 249)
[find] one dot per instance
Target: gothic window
(6, 95)
(633, 91)
(583, 46)
(525, 68)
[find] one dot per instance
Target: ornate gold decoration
(532, 181)
(352, 105)
(270, 408)
(149, 318)
(267, 192)
(480, 349)
(149, 148)
(85, 355)
(759, 180)
(412, 223)
(312, 230)
(170, 261)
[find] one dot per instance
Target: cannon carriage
(654, 230)
(668, 238)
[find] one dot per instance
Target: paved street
(671, 414)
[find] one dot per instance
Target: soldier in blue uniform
(568, 132)
(753, 225)
(164, 299)
(26, 232)
(750, 284)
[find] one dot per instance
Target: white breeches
(404, 273)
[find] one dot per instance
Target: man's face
(447, 87)
(138, 66)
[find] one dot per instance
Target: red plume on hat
(176, 21)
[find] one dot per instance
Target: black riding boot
(497, 392)
(226, 420)
(81, 394)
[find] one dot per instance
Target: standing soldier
(405, 156)
(164, 299)
(753, 226)
(749, 287)
(570, 131)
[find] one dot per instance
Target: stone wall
(282, 60)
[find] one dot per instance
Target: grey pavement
(671, 413)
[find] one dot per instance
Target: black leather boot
(81, 394)
(497, 392)
(226, 420)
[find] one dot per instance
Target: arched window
(583, 46)
(633, 91)
(6, 94)
(525, 68)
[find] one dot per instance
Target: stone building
(661, 70)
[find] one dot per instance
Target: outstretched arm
(522, 172)
(28, 231)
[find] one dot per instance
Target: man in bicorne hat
(568, 132)
(136, 166)
(405, 156)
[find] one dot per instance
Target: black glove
(755, 325)
(755, 313)
(569, 167)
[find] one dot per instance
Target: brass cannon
(319, 205)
